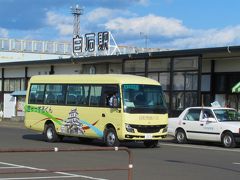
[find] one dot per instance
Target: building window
(162, 64)
(164, 79)
(185, 81)
(186, 63)
(134, 66)
(220, 83)
(6, 85)
(191, 80)
(178, 81)
(205, 82)
(95, 69)
(115, 68)
(178, 100)
(153, 76)
(14, 84)
(190, 99)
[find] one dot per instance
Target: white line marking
(67, 175)
(53, 177)
(10, 167)
(236, 163)
(201, 147)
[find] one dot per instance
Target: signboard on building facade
(93, 44)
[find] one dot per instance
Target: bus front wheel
(50, 133)
(110, 138)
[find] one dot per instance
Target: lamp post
(145, 36)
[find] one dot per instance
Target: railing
(34, 46)
(22, 150)
(55, 47)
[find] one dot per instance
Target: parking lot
(169, 161)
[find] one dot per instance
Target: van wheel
(181, 136)
(110, 138)
(228, 140)
(150, 143)
(50, 133)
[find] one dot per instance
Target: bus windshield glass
(147, 99)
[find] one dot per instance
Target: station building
(192, 77)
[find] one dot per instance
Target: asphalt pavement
(170, 161)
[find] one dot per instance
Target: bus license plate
(148, 136)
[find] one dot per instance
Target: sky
(164, 24)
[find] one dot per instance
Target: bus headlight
(165, 129)
(129, 128)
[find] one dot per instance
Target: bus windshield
(147, 99)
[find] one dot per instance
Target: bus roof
(96, 79)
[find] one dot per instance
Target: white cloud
(208, 38)
(143, 2)
(150, 24)
(3, 33)
(106, 14)
(62, 23)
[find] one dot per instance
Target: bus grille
(148, 129)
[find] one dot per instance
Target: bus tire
(110, 138)
(228, 140)
(150, 143)
(50, 133)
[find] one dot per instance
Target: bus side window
(32, 98)
(95, 95)
(39, 97)
(50, 99)
(60, 99)
(71, 100)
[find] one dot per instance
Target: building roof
(227, 51)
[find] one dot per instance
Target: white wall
(36, 70)
(9, 106)
(68, 69)
(14, 72)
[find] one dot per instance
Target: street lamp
(145, 36)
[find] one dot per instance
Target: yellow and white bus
(110, 107)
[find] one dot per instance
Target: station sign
(91, 43)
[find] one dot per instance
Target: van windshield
(227, 115)
(147, 99)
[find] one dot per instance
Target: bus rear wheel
(151, 143)
(50, 133)
(110, 138)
